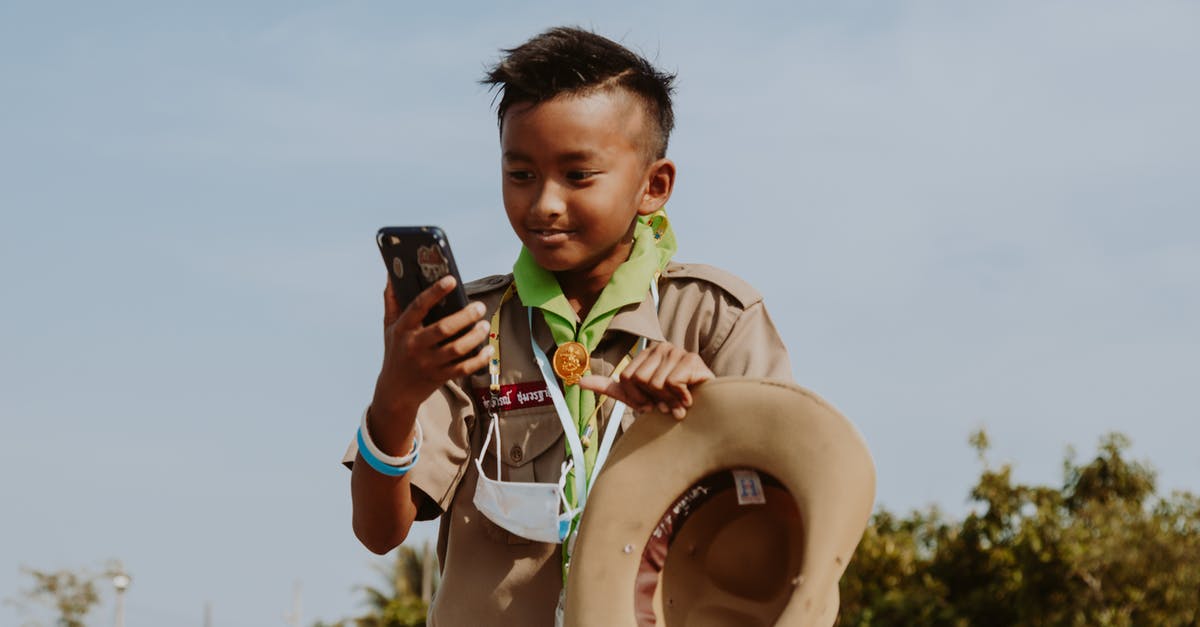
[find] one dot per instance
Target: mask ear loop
(494, 426)
(567, 466)
(568, 513)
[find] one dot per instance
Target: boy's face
(576, 174)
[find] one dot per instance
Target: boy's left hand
(660, 376)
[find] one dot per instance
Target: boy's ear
(660, 181)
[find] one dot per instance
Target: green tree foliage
(1101, 550)
(71, 594)
(403, 598)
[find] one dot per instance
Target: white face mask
(527, 509)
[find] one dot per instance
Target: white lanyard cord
(583, 483)
(560, 407)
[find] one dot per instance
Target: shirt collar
(640, 319)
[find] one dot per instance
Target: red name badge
(515, 396)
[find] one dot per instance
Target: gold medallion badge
(570, 362)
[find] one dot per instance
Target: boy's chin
(571, 259)
(555, 264)
(554, 259)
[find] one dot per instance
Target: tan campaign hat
(744, 513)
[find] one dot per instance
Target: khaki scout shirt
(492, 577)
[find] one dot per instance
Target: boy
(584, 125)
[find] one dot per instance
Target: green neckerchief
(538, 287)
(653, 245)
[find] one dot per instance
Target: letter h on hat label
(749, 487)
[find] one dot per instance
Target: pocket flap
(527, 435)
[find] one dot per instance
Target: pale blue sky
(960, 216)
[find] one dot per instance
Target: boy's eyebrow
(567, 157)
(577, 155)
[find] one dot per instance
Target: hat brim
(781, 429)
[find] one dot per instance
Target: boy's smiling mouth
(551, 236)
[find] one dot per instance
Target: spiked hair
(573, 61)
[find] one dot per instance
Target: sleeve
(445, 450)
(723, 318)
(746, 343)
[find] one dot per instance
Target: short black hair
(569, 60)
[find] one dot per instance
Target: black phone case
(416, 257)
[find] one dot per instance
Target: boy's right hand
(415, 362)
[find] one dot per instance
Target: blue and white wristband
(383, 463)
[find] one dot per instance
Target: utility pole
(121, 582)
(208, 614)
(428, 570)
(294, 617)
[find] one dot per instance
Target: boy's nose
(549, 202)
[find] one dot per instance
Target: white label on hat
(749, 487)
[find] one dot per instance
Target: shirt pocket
(531, 446)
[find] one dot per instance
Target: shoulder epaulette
(740, 290)
(487, 284)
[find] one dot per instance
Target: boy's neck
(582, 287)
(582, 290)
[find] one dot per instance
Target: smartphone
(416, 257)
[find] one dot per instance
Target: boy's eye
(580, 175)
(519, 175)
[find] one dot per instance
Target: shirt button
(516, 454)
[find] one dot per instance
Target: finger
(624, 393)
(460, 321)
(683, 391)
(450, 326)
(642, 368)
(604, 385)
(666, 368)
(643, 379)
(636, 397)
(470, 366)
(692, 372)
(644, 362)
(677, 371)
(464, 346)
(426, 300)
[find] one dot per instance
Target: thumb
(391, 310)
